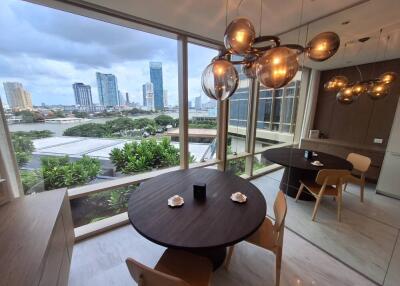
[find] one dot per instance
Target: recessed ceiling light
(346, 22)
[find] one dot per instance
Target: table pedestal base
(290, 182)
(216, 255)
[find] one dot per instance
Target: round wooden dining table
(204, 227)
(297, 167)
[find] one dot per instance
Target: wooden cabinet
(36, 240)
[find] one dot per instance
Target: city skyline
(48, 56)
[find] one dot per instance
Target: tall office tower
(107, 86)
(165, 97)
(17, 96)
(148, 96)
(121, 98)
(83, 94)
(127, 101)
(156, 78)
(197, 103)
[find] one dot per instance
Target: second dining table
(297, 167)
(204, 227)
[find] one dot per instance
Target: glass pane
(91, 101)
(202, 109)
(101, 205)
(276, 117)
(238, 115)
(237, 166)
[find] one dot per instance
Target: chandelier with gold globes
(263, 57)
(347, 92)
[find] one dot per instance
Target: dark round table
(297, 168)
(202, 227)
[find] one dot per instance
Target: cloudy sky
(48, 50)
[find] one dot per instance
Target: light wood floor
(373, 225)
(366, 237)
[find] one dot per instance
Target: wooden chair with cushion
(360, 165)
(269, 235)
(327, 183)
(175, 268)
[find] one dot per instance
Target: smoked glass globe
(378, 90)
(345, 95)
(323, 46)
(250, 69)
(388, 77)
(239, 36)
(277, 67)
(219, 79)
(336, 83)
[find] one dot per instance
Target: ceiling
(207, 18)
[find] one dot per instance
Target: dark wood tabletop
(216, 222)
(293, 157)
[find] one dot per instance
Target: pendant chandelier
(262, 57)
(348, 92)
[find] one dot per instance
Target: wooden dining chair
(327, 183)
(175, 268)
(360, 165)
(269, 235)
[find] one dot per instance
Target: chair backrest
(271, 235)
(331, 177)
(360, 163)
(146, 276)
(280, 209)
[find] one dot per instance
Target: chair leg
(229, 256)
(362, 191)
(345, 187)
(339, 211)
(299, 191)
(278, 263)
(316, 208)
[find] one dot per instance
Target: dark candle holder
(199, 191)
(308, 154)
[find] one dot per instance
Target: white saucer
(239, 197)
(175, 201)
(318, 164)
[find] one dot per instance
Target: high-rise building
(156, 78)
(107, 86)
(148, 96)
(83, 94)
(127, 101)
(165, 97)
(17, 96)
(197, 103)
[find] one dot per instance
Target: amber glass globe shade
(336, 83)
(219, 79)
(239, 36)
(359, 89)
(345, 95)
(378, 91)
(388, 77)
(277, 67)
(323, 46)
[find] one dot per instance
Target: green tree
(59, 172)
(34, 134)
(30, 116)
(80, 114)
(88, 130)
(143, 123)
(164, 120)
(149, 154)
(120, 124)
(23, 148)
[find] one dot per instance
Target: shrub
(137, 157)
(59, 172)
(23, 148)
